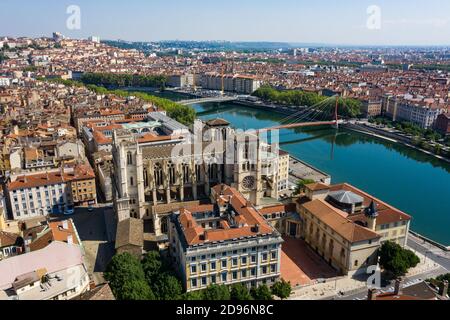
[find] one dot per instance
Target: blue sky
(413, 22)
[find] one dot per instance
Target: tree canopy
(282, 289)
(240, 292)
(261, 293)
(126, 278)
(216, 292)
(397, 260)
(124, 80)
(167, 287)
(160, 278)
(346, 107)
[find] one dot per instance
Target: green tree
(261, 293)
(167, 287)
(136, 290)
(193, 295)
(152, 266)
(216, 292)
(397, 260)
(126, 278)
(282, 289)
(240, 292)
(300, 186)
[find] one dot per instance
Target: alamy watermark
(73, 22)
(374, 17)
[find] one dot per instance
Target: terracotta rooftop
(246, 219)
(337, 220)
(60, 231)
(8, 239)
(317, 186)
(81, 172)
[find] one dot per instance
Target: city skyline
(380, 23)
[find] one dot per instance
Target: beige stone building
(224, 242)
(346, 226)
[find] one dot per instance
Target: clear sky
(403, 22)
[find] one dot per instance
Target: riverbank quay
(430, 241)
(388, 136)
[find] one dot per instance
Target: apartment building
(182, 80)
(233, 83)
(414, 111)
(83, 188)
(371, 108)
(32, 195)
(225, 242)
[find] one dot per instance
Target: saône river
(413, 182)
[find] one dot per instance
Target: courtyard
(302, 266)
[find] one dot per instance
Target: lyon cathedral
(154, 177)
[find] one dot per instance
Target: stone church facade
(151, 181)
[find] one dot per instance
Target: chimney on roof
(398, 286)
(65, 225)
(70, 239)
(443, 288)
(372, 294)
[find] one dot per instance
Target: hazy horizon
(398, 23)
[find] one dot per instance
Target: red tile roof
(247, 218)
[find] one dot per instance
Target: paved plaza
(302, 266)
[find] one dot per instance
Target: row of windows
(224, 277)
(29, 193)
(230, 253)
(276, 215)
(234, 262)
(393, 225)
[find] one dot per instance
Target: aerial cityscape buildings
(117, 154)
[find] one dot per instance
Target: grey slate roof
(347, 197)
